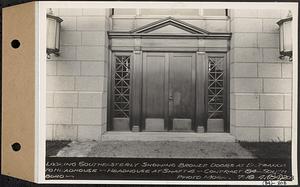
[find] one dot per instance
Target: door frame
(197, 40)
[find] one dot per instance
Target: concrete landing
(158, 145)
(171, 149)
(168, 136)
(155, 149)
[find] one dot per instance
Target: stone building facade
(259, 84)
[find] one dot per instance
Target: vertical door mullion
(168, 89)
(136, 89)
(193, 90)
(144, 82)
(226, 94)
(206, 71)
(112, 86)
(131, 66)
(201, 91)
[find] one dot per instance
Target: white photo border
(40, 62)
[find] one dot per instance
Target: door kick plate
(182, 124)
(154, 124)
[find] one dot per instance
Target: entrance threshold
(167, 136)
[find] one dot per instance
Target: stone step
(168, 136)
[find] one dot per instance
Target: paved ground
(155, 149)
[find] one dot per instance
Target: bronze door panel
(168, 91)
(154, 91)
(182, 91)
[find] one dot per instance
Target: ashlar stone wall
(77, 79)
(261, 83)
(208, 19)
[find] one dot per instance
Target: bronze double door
(168, 94)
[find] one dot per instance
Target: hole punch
(15, 44)
(16, 146)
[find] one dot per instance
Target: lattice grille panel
(121, 87)
(216, 87)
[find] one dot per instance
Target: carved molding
(191, 31)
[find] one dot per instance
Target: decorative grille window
(121, 87)
(216, 87)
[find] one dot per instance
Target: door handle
(171, 98)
